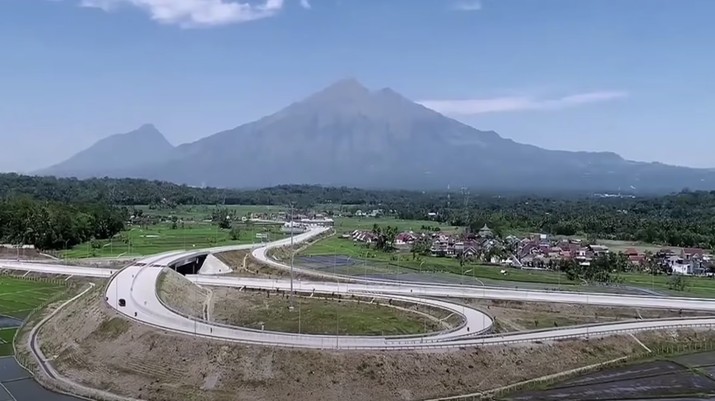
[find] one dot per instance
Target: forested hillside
(128, 191)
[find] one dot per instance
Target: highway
(136, 286)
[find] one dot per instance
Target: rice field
(19, 297)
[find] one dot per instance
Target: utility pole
(292, 228)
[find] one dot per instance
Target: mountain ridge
(346, 134)
(118, 151)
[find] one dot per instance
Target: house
(679, 266)
(598, 250)
(486, 232)
(631, 252)
(637, 260)
(470, 252)
(363, 236)
(665, 252)
(405, 239)
(692, 253)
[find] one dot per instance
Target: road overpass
(134, 287)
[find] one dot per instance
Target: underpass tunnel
(190, 265)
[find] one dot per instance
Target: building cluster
(481, 245)
(544, 252)
(296, 220)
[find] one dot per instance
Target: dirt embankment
(94, 346)
(181, 295)
(244, 265)
(519, 315)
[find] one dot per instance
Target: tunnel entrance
(190, 265)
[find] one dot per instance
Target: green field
(19, 297)
(315, 315)
(139, 241)
(201, 212)
(344, 224)
(695, 286)
(346, 247)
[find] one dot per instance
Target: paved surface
(54, 268)
(16, 384)
(136, 287)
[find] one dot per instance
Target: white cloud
(518, 103)
(198, 13)
(468, 5)
(305, 4)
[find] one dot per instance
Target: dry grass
(518, 315)
(135, 360)
(181, 295)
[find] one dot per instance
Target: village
(534, 251)
(541, 251)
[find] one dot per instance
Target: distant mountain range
(349, 135)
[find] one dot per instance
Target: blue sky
(630, 76)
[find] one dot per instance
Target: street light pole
(292, 228)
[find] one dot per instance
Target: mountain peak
(348, 89)
(115, 152)
(347, 85)
(146, 127)
(145, 130)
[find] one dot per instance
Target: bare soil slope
(94, 346)
(181, 295)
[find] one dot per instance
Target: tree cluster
(54, 225)
(682, 219)
(384, 237)
(603, 269)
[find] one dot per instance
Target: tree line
(50, 225)
(680, 219)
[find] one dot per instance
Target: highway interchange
(132, 291)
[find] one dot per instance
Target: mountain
(115, 153)
(349, 135)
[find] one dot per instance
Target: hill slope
(349, 135)
(115, 153)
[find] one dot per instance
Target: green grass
(343, 224)
(19, 297)
(202, 212)
(695, 286)
(326, 316)
(162, 237)
(346, 247)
